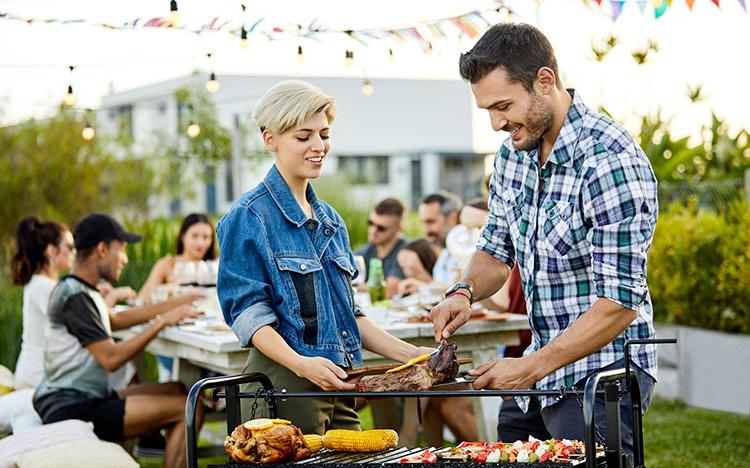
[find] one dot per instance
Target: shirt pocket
(558, 236)
(300, 271)
(512, 203)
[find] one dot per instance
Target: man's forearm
(136, 315)
(485, 274)
(599, 325)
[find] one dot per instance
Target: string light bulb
(193, 129)
(174, 14)
(349, 58)
(212, 85)
(390, 56)
(300, 55)
(88, 133)
(243, 37)
(70, 98)
(368, 89)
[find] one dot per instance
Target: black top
(391, 267)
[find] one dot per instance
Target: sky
(707, 46)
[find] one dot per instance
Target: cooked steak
(441, 367)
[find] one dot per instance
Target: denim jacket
(279, 268)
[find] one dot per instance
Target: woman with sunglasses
(286, 268)
(43, 251)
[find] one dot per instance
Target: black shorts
(107, 414)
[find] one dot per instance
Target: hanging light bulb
(174, 15)
(390, 55)
(69, 98)
(88, 133)
(212, 85)
(243, 37)
(349, 58)
(300, 55)
(367, 88)
(193, 129)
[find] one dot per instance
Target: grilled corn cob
(360, 441)
(314, 442)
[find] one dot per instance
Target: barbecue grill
(611, 456)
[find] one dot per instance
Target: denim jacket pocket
(558, 235)
(300, 271)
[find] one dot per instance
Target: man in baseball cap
(80, 352)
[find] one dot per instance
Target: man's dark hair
(449, 202)
(390, 206)
(519, 49)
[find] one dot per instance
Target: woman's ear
(270, 140)
(51, 251)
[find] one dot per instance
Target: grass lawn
(675, 436)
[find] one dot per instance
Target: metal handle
(234, 417)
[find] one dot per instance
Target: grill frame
(613, 457)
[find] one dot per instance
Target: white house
(408, 139)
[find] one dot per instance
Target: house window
(122, 117)
(365, 169)
(211, 189)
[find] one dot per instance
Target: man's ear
(101, 249)
(546, 80)
(271, 140)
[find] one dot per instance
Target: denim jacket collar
(282, 195)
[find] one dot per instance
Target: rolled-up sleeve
(495, 238)
(621, 204)
(244, 284)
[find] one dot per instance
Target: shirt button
(351, 356)
(303, 267)
(344, 334)
(328, 232)
(310, 225)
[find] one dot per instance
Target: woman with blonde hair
(286, 268)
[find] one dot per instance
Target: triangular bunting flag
(617, 8)
(690, 3)
(661, 9)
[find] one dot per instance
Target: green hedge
(699, 267)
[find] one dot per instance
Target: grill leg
(612, 414)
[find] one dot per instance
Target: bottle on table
(376, 281)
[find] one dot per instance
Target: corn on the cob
(416, 360)
(314, 442)
(360, 441)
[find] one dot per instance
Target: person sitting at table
(417, 260)
(385, 242)
(43, 250)
(195, 242)
(80, 353)
(286, 268)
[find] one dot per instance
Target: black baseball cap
(98, 227)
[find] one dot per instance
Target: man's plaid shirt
(584, 236)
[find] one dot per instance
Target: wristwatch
(458, 286)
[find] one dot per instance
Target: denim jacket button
(344, 334)
(351, 356)
(310, 225)
(303, 267)
(328, 232)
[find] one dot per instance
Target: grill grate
(331, 459)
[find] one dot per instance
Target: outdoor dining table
(220, 352)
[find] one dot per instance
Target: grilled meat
(274, 444)
(441, 367)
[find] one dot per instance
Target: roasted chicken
(440, 368)
(266, 441)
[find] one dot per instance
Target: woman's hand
(409, 286)
(322, 373)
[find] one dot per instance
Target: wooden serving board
(377, 370)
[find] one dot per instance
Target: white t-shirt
(446, 269)
(30, 364)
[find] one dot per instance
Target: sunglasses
(379, 227)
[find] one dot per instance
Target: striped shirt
(579, 227)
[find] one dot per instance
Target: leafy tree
(49, 170)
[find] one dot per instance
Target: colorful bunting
(661, 9)
(617, 9)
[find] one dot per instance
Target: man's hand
(449, 315)
(178, 314)
(323, 373)
(504, 374)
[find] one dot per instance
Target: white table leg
(487, 409)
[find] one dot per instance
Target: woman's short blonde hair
(290, 103)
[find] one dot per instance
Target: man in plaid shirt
(573, 201)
